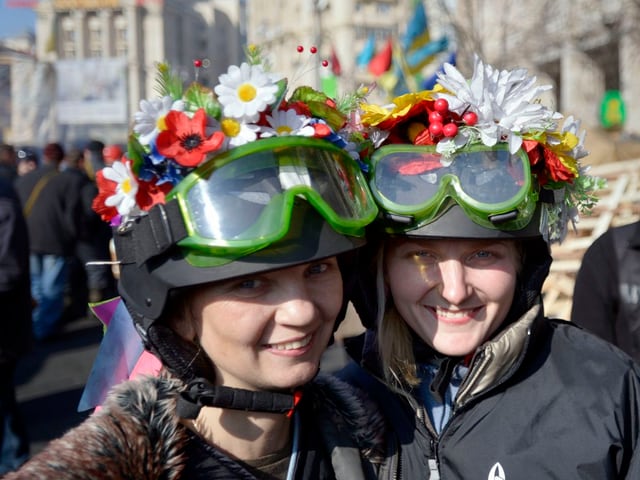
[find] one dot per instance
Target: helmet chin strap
(187, 362)
(200, 393)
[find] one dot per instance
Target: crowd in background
(49, 233)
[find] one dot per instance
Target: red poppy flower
(185, 140)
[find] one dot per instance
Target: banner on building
(91, 90)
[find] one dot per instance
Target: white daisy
(287, 122)
(124, 198)
(572, 125)
(151, 114)
(505, 102)
(245, 91)
(238, 132)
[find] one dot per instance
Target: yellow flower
(374, 115)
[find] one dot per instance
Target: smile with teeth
(453, 315)
(303, 342)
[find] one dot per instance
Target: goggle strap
(150, 235)
(500, 218)
(403, 219)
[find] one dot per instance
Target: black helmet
(477, 158)
(230, 186)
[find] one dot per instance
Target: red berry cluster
(313, 50)
(442, 123)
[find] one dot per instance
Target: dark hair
(53, 152)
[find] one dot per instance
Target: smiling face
(453, 293)
(269, 330)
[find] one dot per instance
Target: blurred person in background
(111, 153)
(606, 295)
(8, 162)
(51, 205)
(27, 160)
(15, 324)
(94, 234)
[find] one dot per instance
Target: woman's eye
(317, 268)
(422, 255)
(249, 284)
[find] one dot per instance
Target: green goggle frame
(413, 185)
(242, 200)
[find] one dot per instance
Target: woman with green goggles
(473, 378)
(235, 223)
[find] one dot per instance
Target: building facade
(109, 49)
(95, 60)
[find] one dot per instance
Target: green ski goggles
(413, 184)
(242, 200)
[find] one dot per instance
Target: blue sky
(14, 21)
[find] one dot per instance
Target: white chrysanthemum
(124, 198)
(238, 132)
(287, 122)
(151, 113)
(504, 100)
(245, 91)
(573, 126)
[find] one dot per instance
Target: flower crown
(496, 107)
(180, 130)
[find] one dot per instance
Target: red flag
(381, 62)
(336, 68)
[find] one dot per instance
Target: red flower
(321, 130)
(546, 164)
(299, 107)
(150, 193)
(557, 170)
(106, 188)
(185, 140)
(534, 153)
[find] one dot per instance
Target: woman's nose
(453, 283)
(297, 306)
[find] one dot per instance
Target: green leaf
(333, 117)
(167, 82)
(135, 152)
(307, 94)
(317, 103)
(198, 96)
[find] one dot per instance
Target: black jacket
(543, 399)
(53, 221)
(137, 435)
(15, 288)
(606, 298)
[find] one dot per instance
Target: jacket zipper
(432, 459)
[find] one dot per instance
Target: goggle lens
(410, 180)
(244, 200)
